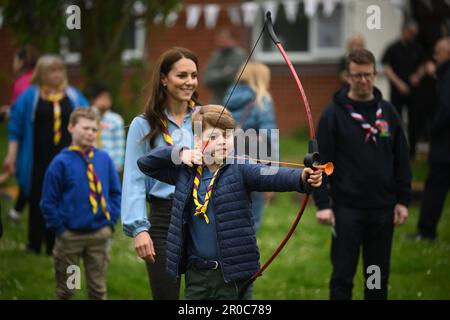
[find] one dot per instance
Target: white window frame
(1, 17)
(140, 33)
(70, 57)
(139, 39)
(314, 55)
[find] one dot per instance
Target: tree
(102, 36)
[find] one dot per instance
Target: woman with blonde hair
(252, 107)
(37, 131)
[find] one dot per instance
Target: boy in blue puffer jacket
(211, 234)
(81, 204)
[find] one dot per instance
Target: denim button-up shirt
(137, 187)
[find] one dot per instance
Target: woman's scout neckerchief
(55, 98)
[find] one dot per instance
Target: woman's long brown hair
(157, 100)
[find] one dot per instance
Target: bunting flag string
(245, 13)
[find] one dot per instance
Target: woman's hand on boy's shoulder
(191, 156)
(314, 178)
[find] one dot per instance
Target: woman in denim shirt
(166, 120)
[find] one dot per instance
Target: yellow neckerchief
(95, 186)
(55, 98)
(165, 126)
(200, 209)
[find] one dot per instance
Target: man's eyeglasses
(359, 76)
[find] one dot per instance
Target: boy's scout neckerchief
(200, 209)
(95, 186)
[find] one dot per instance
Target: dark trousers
(21, 201)
(425, 106)
(355, 228)
(210, 285)
(163, 286)
(414, 121)
(436, 189)
(37, 232)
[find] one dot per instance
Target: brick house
(315, 44)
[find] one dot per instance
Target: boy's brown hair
(86, 113)
(209, 116)
(360, 56)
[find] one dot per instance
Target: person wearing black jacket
(403, 64)
(438, 180)
(370, 189)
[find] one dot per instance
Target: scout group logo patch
(383, 126)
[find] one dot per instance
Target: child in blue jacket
(211, 234)
(81, 204)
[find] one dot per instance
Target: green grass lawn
(301, 271)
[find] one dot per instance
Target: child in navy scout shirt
(211, 235)
(81, 204)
